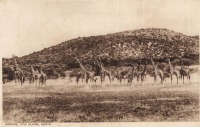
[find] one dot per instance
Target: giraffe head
(145, 61)
(180, 59)
(98, 63)
(151, 59)
(73, 55)
(139, 61)
(167, 59)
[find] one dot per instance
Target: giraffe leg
(82, 79)
(137, 79)
(176, 78)
(171, 76)
(131, 82)
(161, 80)
(41, 81)
(95, 81)
(31, 80)
(15, 81)
(77, 79)
(36, 81)
(101, 79)
(189, 79)
(21, 80)
(155, 79)
(142, 79)
(109, 76)
(120, 80)
(45, 81)
(91, 81)
(145, 80)
(87, 78)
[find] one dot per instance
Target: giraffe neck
(154, 66)
(41, 72)
(138, 68)
(82, 67)
(16, 68)
(102, 67)
(15, 61)
(145, 67)
(99, 64)
(32, 69)
(170, 65)
(132, 70)
(181, 63)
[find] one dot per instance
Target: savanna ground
(61, 101)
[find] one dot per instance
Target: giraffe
(69, 75)
(18, 73)
(79, 75)
(42, 78)
(138, 72)
(130, 75)
(157, 72)
(117, 75)
(4, 78)
(88, 74)
(33, 75)
(124, 74)
(173, 71)
(184, 71)
(104, 72)
(144, 72)
(37, 75)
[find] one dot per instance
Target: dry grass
(58, 102)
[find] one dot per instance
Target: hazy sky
(31, 25)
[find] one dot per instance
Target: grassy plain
(61, 101)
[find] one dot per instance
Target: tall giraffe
(130, 75)
(18, 73)
(144, 72)
(124, 74)
(138, 72)
(88, 74)
(104, 72)
(43, 78)
(33, 75)
(117, 75)
(173, 71)
(157, 72)
(184, 71)
(79, 75)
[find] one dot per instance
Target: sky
(28, 26)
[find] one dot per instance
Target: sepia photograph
(80, 61)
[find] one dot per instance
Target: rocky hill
(115, 49)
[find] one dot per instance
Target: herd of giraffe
(39, 77)
(36, 76)
(138, 73)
